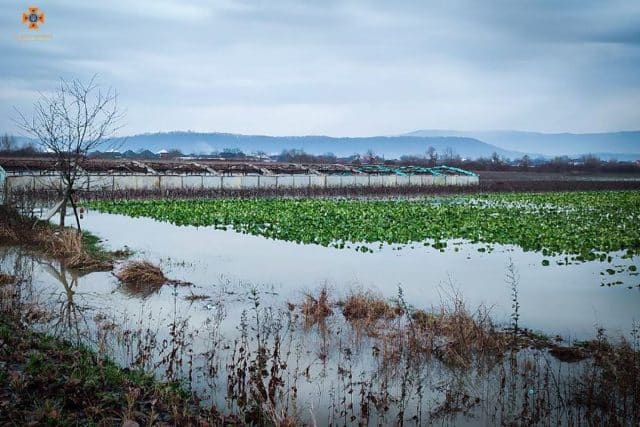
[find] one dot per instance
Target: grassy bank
(76, 251)
(47, 381)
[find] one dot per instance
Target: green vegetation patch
(585, 224)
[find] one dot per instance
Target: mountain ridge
(610, 144)
(387, 146)
(621, 145)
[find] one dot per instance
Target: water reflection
(70, 318)
(140, 290)
(250, 348)
(16, 262)
(248, 353)
(565, 299)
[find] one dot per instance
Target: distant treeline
(10, 147)
(585, 163)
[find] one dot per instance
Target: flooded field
(261, 326)
(554, 299)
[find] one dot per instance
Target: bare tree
(370, 156)
(7, 143)
(75, 119)
(591, 162)
(432, 156)
(450, 157)
(497, 161)
(525, 162)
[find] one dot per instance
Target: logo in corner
(33, 18)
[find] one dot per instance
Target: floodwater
(556, 299)
(249, 280)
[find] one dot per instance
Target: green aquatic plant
(586, 225)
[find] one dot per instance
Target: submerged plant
(512, 280)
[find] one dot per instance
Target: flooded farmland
(289, 213)
(555, 299)
(239, 323)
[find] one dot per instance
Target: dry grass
(455, 335)
(609, 386)
(141, 278)
(423, 320)
(7, 279)
(368, 308)
(11, 226)
(316, 309)
(66, 245)
(450, 332)
(7, 235)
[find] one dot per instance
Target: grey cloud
(339, 67)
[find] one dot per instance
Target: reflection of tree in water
(67, 308)
(18, 262)
(70, 311)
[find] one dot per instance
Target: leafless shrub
(455, 335)
(316, 309)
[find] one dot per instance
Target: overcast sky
(337, 67)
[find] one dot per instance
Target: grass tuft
(141, 277)
(368, 308)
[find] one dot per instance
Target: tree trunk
(75, 212)
(63, 212)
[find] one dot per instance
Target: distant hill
(387, 146)
(623, 146)
(619, 145)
